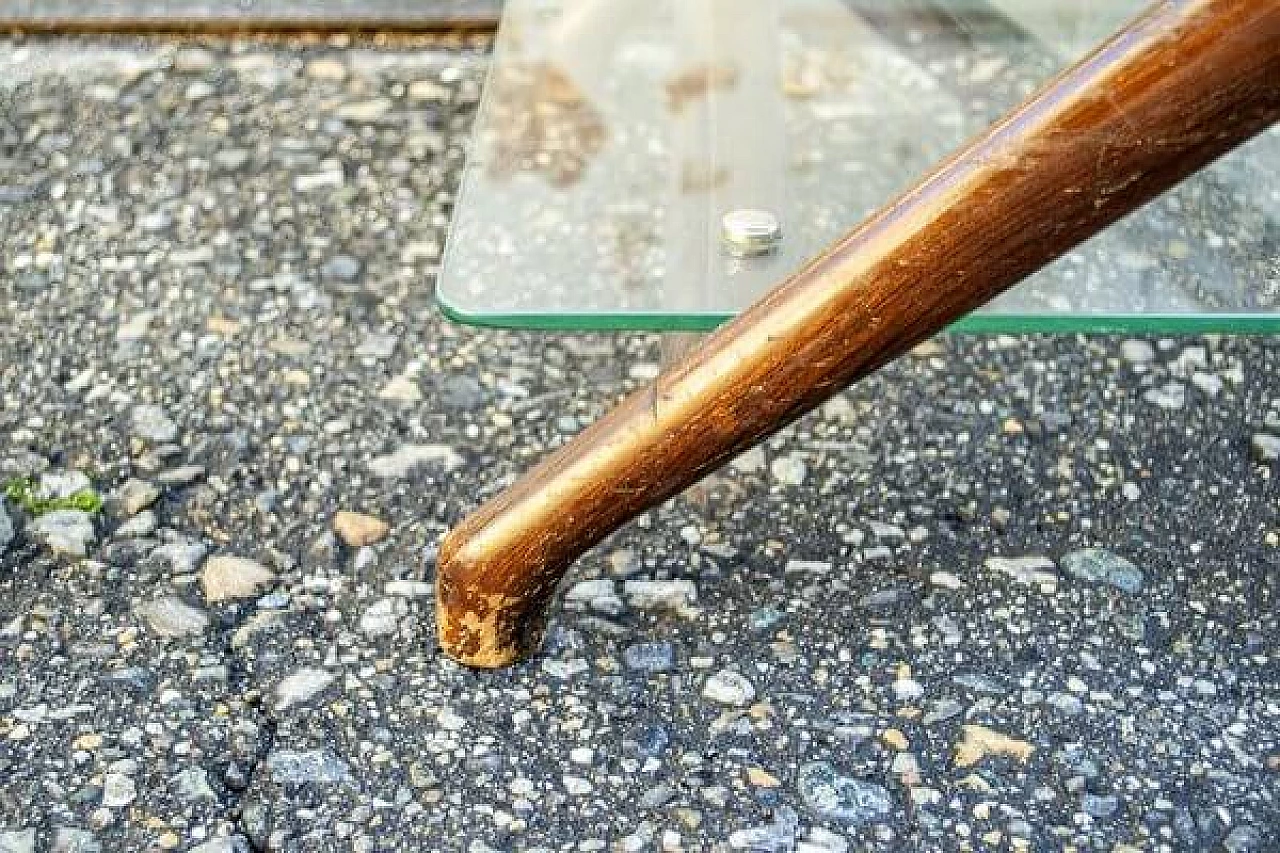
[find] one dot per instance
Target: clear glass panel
(615, 134)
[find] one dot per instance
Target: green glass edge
(601, 322)
(622, 321)
(1101, 324)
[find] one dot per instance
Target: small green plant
(22, 491)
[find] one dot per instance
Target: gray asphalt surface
(1013, 593)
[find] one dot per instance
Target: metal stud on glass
(747, 232)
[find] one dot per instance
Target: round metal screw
(748, 232)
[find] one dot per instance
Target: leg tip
(484, 630)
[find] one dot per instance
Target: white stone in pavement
(65, 531)
(172, 617)
(153, 423)
(402, 461)
(729, 688)
(226, 578)
(301, 686)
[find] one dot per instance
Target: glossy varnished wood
(1180, 86)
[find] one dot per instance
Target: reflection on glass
(616, 134)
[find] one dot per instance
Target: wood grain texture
(1180, 86)
(241, 16)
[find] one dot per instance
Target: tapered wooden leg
(1181, 85)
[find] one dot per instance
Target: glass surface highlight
(616, 134)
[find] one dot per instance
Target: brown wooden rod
(1182, 84)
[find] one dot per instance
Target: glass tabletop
(616, 134)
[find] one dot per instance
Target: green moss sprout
(23, 492)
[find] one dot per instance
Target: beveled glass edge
(977, 323)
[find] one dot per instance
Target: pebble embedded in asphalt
(833, 796)
(318, 766)
(650, 657)
(1098, 565)
(1266, 448)
(154, 424)
(225, 578)
(342, 268)
(301, 686)
(358, 529)
(7, 532)
(65, 531)
(729, 688)
(171, 617)
(133, 496)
